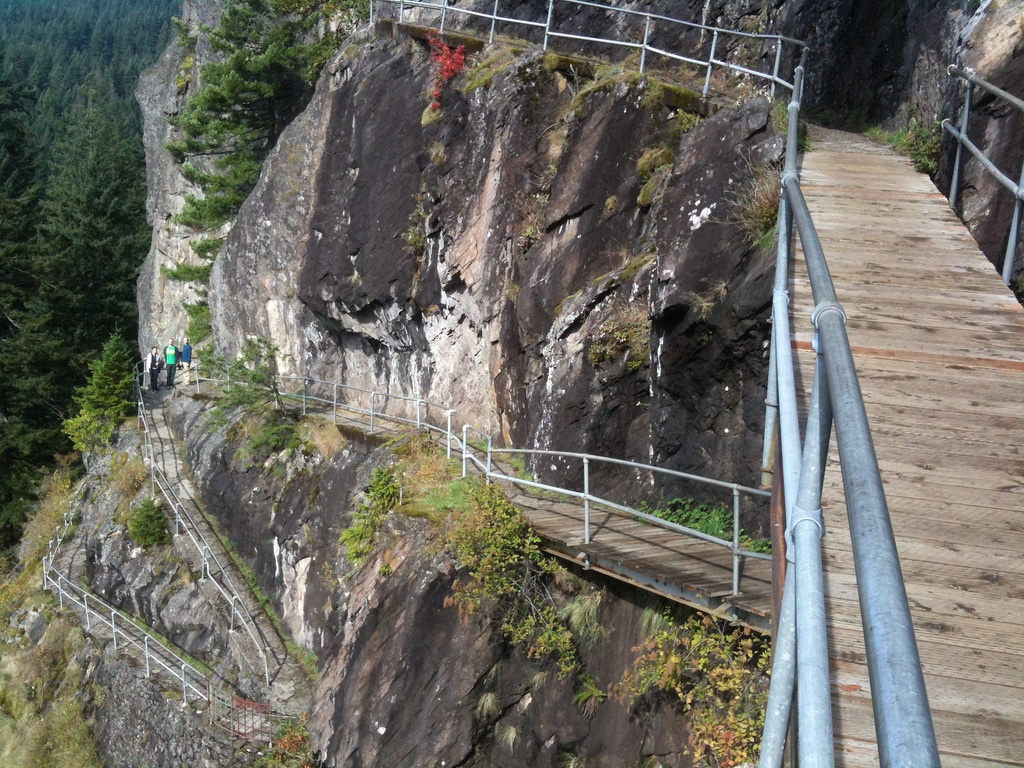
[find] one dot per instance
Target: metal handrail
(963, 140)
(445, 7)
(184, 521)
(308, 391)
(904, 729)
(153, 648)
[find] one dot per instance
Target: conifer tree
(94, 232)
(262, 80)
(21, 440)
(106, 400)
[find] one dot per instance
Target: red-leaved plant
(450, 61)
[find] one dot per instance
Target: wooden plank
(937, 346)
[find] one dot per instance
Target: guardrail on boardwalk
(211, 566)
(475, 447)
(252, 720)
(963, 140)
(903, 723)
(636, 31)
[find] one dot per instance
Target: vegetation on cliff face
(719, 675)
(268, 60)
(41, 661)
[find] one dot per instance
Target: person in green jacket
(171, 361)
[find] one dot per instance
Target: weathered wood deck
(938, 342)
(669, 563)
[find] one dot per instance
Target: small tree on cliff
(251, 379)
(252, 386)
(106, 400)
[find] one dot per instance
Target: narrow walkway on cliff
(937, 344)
(257, 639)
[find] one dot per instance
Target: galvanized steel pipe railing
(219, 578)
(904, 730)
(152, 649)
(1016, 188)
(643, 31)
(451, 426)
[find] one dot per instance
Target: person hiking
(154, 364)
(171, 360)
(186, 361)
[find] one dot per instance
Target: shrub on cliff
(718, 674)
(508, 570)
(147, 526)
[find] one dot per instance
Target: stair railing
(904, 730)
(130, 636)
(211, 566)
(1016, 188)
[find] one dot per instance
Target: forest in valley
(73, 229)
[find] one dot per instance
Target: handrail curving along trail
(454, 430)
(645, 29)
(251, 720)
(903, 721)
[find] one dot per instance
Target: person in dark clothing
(186, 361)
(171, 360)
(154, 364)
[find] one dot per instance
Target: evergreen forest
(73, 230)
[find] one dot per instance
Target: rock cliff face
(402, 671)
(476, 261)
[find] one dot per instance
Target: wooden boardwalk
(666, 562)
(938, 342)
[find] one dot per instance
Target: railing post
(184, 685)
(465, 447)
(711, 59)
(586, 500)
(735, 540)
(489, 459)
(1011, 244)
(418, 417)
(954, 187)
(60, 592)
(494, 19)
(113, 629)
(449, 434)
(305, 385)
(778, 62)
(647, 36)
(547, 22)
(145, 645)
(88, 621)
(444, 9)
(373, 404)
(335, 404)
